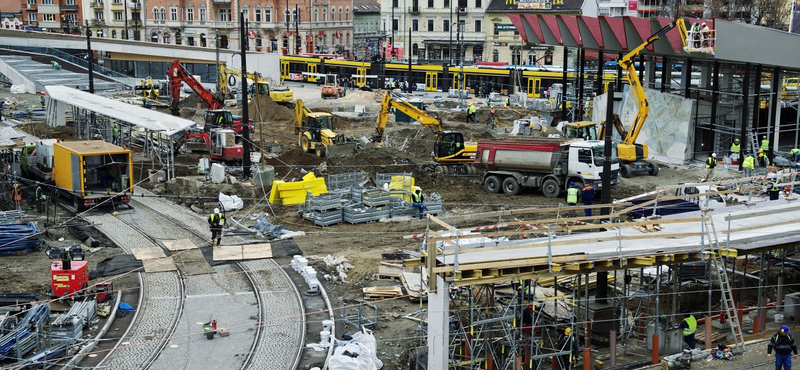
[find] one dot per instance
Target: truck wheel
(492, 184)
(625, 171)
(76, 203)
(305, 144)
(320, 150)
(510, 186)
(550, 188)
(653, 169)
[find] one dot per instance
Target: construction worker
(689, 326)
(696, 34)
(794, 153)
(56, 66)
(763, 161)
(41, 98)
(711, 162)
(749, 165)
(492, 117)
(471, 113)
(16, 196)
(2, 102)
(785, 348)
(115, 134)
(416, 200)
(39, 197)
(706, 35)
(508, 100)
(216, 222)
(764, 143)
(572, 198)
(566, 343)
(736, 148)
(774, 189)
(587, 195)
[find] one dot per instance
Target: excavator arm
(628, 150)
(409, 109)
(177, 74)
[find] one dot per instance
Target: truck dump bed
(539, 155)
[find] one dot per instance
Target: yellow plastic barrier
(402, 186)
(288, 193)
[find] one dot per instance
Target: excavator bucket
(341, 150)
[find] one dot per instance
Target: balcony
(413, 10)
(135, 6)
(136, 23)
(31, 6)
(69, 7)
(223, 24)
(98, 22)
(117, 6)
(97, 5)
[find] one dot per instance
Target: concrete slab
(228, 252)
(142, 254)
(179, 245)
(159, 265)
(256, 251)
(192, 262)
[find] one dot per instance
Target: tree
(768, 13)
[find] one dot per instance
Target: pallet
(648, 228)
(380, 292)
(390, 270)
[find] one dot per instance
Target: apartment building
(117, 19)
(51, 15)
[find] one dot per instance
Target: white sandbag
(217, 173)
(18, 89)
(360, 353)
(230, 202)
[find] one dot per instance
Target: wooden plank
(159, 265)
(179, 245)
(389, 271)
(256, 251)
(541, 261)
(414, 285)
(150, 253)
(228, 253)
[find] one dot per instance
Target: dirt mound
(291, 161)
(192, 101)
(264, 109)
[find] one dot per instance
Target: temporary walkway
(36, 75)
(157, 126)
(568, 250)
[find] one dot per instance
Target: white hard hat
(216, 210)
(713, 154)
(704, 23)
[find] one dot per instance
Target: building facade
(435, 36)
(118, 19)
(51, 15)
(504, 43)
(367, 32)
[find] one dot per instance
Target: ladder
(754, 145)
(725, 287)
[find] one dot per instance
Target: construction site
(328, 250)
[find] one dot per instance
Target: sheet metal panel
(134, 115)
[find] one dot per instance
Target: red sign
(251, 35)
(633, 4)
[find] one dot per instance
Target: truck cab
(585, 163)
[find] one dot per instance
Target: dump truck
(547, 164)
(92, 172)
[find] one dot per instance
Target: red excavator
(216, 116)
(218, 136)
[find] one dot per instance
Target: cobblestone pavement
(282, 314)
(226, 296)
(162, 295)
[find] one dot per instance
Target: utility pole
(125, 37)
(391, 41)
(216, 42)
(90, 57)
(245, 111)
(297, 29)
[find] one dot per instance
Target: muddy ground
(409, 146)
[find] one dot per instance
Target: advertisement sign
(633, 4)
(534, 4)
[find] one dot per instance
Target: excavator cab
(316, 123)
(448, 144)
(586, 130)
(218, 118)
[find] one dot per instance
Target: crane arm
(627, 62)
(409, 109)
(177, 74)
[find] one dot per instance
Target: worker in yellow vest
(573, 193)
(689, 326)
(736, 148)
(764, 143)
(749, 165)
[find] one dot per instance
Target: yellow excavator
(256, 84)
(316, 135)
(451, 154)
(631, 154)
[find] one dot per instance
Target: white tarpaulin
(358, 354)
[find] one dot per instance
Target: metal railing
(114, 75)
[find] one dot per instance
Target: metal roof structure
(736, 42)
(137, 116)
